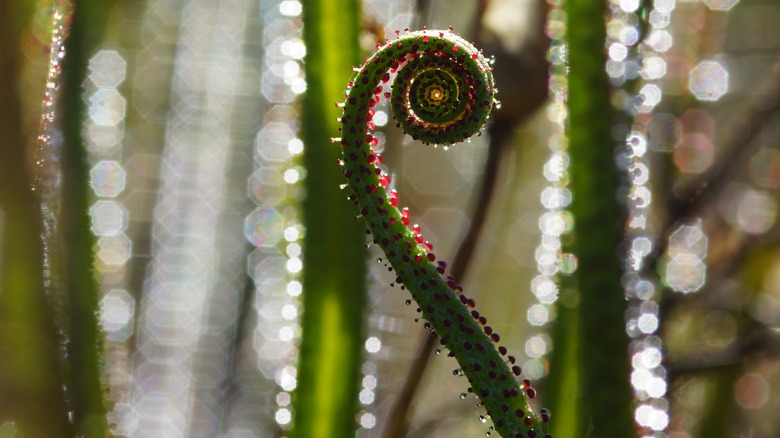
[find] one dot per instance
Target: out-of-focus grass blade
(31, 377)
(606, 397)
(84, 345)
(334, 254)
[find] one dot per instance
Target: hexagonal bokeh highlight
(653, 67)
(442, 179)
(536, 346)
(266, 186)
(274, 89)
(273, 140)
(685, 273)
(107, 178)
(108, 218)
(696, 120)
(660, 19)
(720, 5)
(264, 226)
(104, 136)
(116, 314)
(290, 8)
(660, 40)
(107, 69)
(752, 391)
(651, 95)
(708, 81)
(695, 154)
(648, 416)
(114, 250)
(688, 239)
(664, 132)
(765, 168)
(756, 211)
(107, 107)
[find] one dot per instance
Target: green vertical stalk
(81, 289)
(598, 231)
(562, 384)
(720, 406)
(31, 378)
(334, 254)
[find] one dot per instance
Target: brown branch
(475, 27)
(738, 143)
(762, 341)
(433, 423)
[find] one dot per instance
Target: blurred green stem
(562, 384)
(603, 365)
(334, 275)
(84, 345)
(720, 410)
(31, 385)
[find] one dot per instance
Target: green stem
(398, 421)
(598, 230)
(562, 385)
(31, 378)
(720, 408)
(84, 337)
(443, 94)
(334, 289)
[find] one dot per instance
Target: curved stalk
(443, 94)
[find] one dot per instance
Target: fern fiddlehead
(442, 94)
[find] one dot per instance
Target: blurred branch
(371, 24)
(738, 143)
(432, 424)
(722, 368)
(762, 341)
(475, 27)
(231, 387)
(421, 10)
(522, 79)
